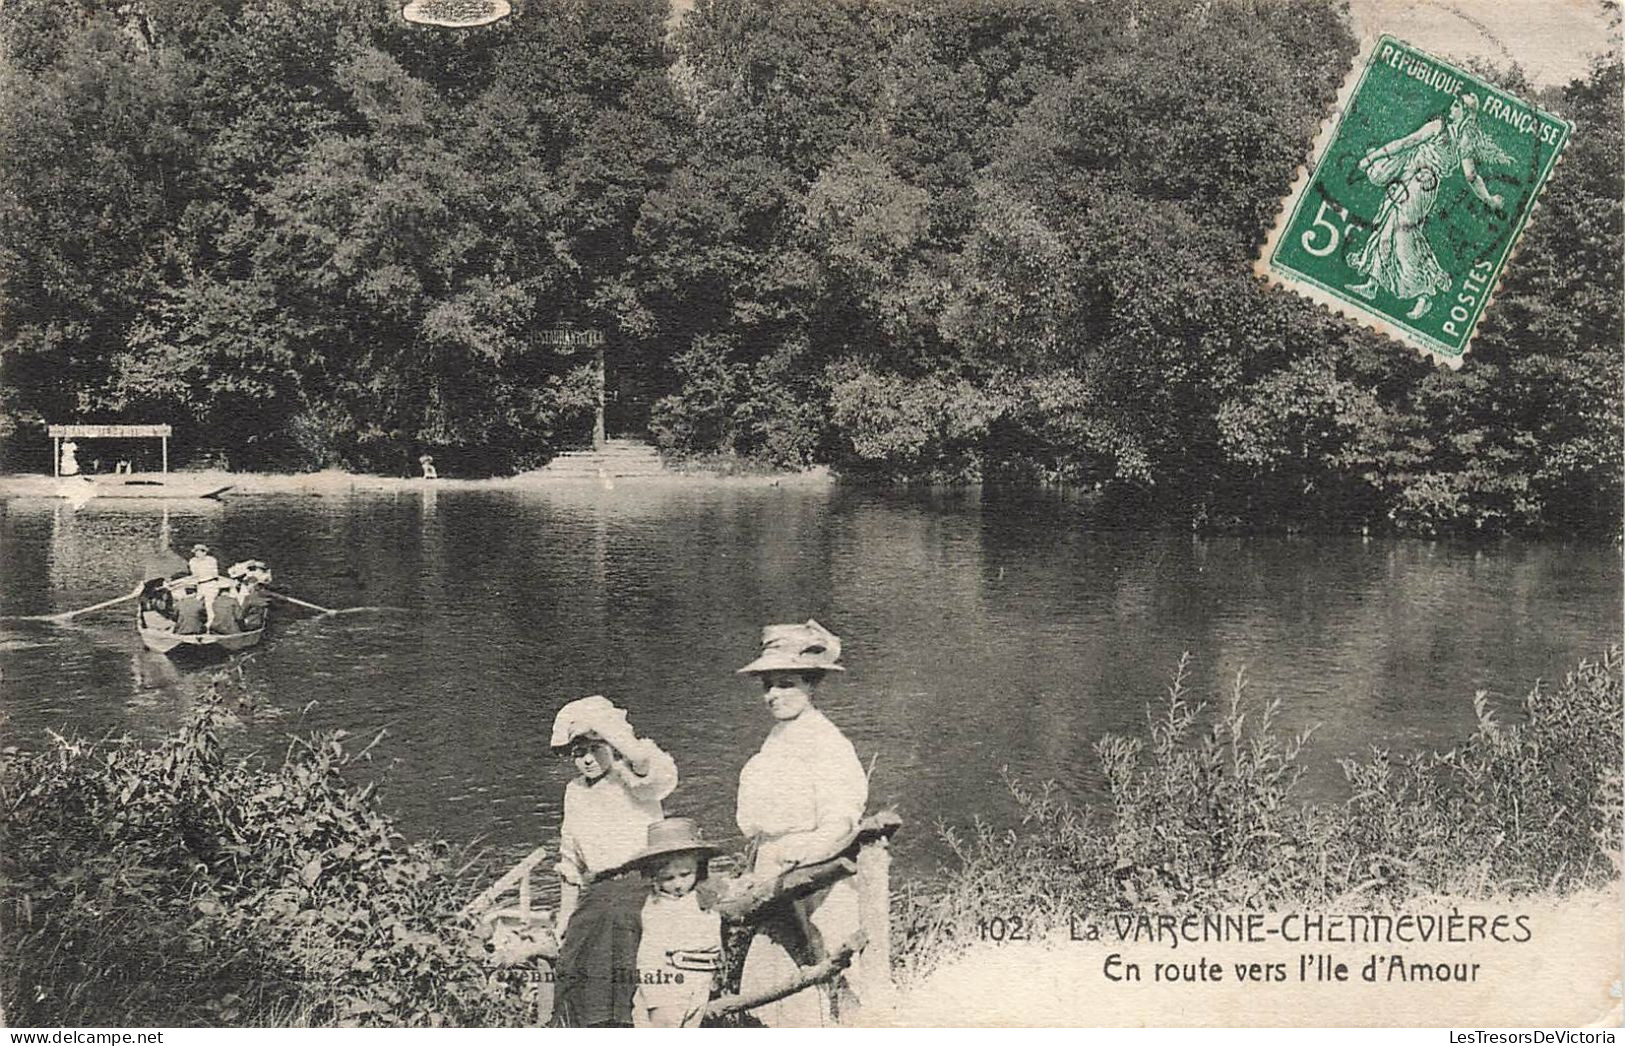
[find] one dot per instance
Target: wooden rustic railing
(818, 973)
(516, 879)
(521, 932)
(867, 857)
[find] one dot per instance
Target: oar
(300, 602)
(319, 608)
(69, 615)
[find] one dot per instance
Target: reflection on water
(980, 633)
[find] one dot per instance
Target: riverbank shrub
(1202, 816)
(177, 884)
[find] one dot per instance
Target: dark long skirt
(598, 958)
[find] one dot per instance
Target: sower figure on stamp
(1398, 258)
(800, 800)
(608, 809)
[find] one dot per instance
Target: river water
(981, 631)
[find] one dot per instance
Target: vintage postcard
(1416, 195)
(759, 514)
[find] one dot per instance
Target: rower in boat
(198, 608)
(191, 616)
(224, 613)
(157, 605)
(251, 576)
(203, 565)
(205, 571)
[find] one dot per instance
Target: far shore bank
(1108, 510)
(335, 482)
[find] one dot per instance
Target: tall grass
(174, 884)
(1202, 815)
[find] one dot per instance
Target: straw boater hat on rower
(250, 570)
(797, 648)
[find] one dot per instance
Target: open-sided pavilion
(58, 433)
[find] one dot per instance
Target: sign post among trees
(599, 436)
(569, 340)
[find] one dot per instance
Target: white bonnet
(590, 715)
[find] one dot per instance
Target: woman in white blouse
(800, 800)
(608, 808)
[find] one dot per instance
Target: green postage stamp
(1416, 192)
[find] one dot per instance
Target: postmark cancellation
(1416, 192)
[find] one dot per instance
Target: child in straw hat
(681, 944)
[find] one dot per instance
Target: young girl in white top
(608, 809)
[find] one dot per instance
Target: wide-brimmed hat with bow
(674, 835)
(797, 648)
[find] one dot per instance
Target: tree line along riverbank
(183, 882)
(959, 241)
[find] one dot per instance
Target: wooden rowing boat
(173, 643)
(142, 486)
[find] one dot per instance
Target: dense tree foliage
(959, 239)
(312, 234)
